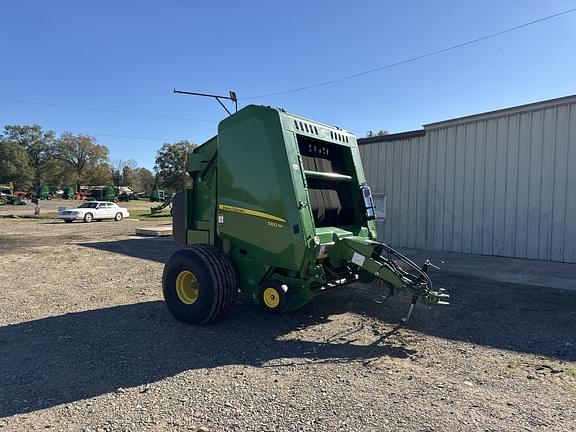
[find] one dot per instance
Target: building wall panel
(388, 190)
(570, 211)
(500, 184)
(511, 192)
(499, 209)
(534, 181)
(422, 184)
(468, 188)
(560, 177)
(430, 188)
(523, 194)
(478, 196)
(489, 180)
(546, 193)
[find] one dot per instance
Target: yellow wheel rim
(187, 287)
(271, 298)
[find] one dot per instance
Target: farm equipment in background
(126, 193)
(279, 209)
(69, 193)
(102, 193)
(23, 195)
(44, 193)
(166, 203)
(7, 188)
(8, 196)
(158, 195)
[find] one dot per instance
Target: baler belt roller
(328, 176)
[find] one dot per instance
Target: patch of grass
(145, 215)
(571, 371)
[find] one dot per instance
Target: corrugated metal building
(499, 183)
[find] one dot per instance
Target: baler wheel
(199, 284)
(273, 296)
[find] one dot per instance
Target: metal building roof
(391, 137)
(534, 106)
(503, 111)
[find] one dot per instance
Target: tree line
(31, 156)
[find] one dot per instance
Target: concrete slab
(500, 269)
(158, 231)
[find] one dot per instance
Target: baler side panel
(256, 196)
(201, 198)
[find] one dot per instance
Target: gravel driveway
(86, 344)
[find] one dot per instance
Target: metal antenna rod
(232, 96)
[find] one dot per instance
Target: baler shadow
(156, 249)
(511, 316)
(65, 358)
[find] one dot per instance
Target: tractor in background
(44, 193)
(8, 196)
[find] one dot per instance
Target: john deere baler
(279, 210)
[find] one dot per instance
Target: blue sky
(128, 56)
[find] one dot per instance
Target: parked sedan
(94, 210)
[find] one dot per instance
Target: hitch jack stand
(425, 267)
(412, 304)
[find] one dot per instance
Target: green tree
(85, 157)
(14, 166)
(143, 180)
(128, 176)
(122, 170)
(170, 165)
(39, 145)
(59, 173)
(381, 132)
(99, 174)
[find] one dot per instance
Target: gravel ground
(86, 344)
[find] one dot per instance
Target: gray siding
(398, 169)
(502, 183)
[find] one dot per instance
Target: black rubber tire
(217, 283)
(88, 217)
(118, 217)
(281, 293)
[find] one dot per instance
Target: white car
(94, 210)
